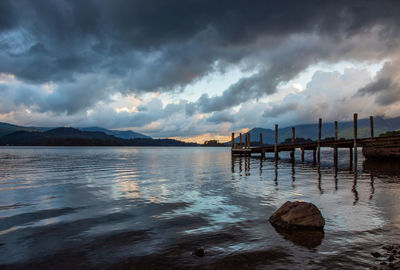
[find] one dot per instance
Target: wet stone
(199, 252)
(298, 215)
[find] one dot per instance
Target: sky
(197, 70)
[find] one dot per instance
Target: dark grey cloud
(280, 109)
(221, 117)
(385, 86)
(95, 48)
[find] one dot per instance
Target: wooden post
(319, 139)
(355, 116)
(293, 138)
(302, 154)
(371, 125)
(240, 140)
(276, 143)
(233, 139)
(261, 144)
(335, 153)
(248, 140)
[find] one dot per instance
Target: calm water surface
(145, 208)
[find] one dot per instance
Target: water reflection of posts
(293, 175)
(335, 177)
(321, 191)
(276, 173)
(354, 189)
(233, 164)
(247, 165)
(240, 163)
(372, 186)
(261, 166)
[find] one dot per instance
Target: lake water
(150, 208)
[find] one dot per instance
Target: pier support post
(371, 125)
(302, 154)
(240, 140)
(335, 153)
(319, 139)
(276, 143)
(293, 138)
(233, 140)
(355, 116)
(261, 143)
(248, 140)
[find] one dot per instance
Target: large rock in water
(298, 215)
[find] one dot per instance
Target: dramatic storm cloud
(147, 65)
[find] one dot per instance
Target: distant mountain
(74, 137)
(123, 134)
(310, 131)
(6, 128)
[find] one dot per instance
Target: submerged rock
(199, 252)
(298, 215)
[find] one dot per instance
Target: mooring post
(240, 140)
(276, 143)
(371, 125)
(261, 144)
(292, 152)
(355, 116)
(335, 153)
(319, 139)
(233, 140)
(302, 154)
(248, 138)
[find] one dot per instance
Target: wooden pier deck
(352, 144)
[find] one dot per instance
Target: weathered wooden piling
(319, 139)
(371, 125)
(369, 144)
(293, 139)
(276, 143)
(355, 116)
(335, 153)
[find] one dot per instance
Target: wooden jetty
(370, 145)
